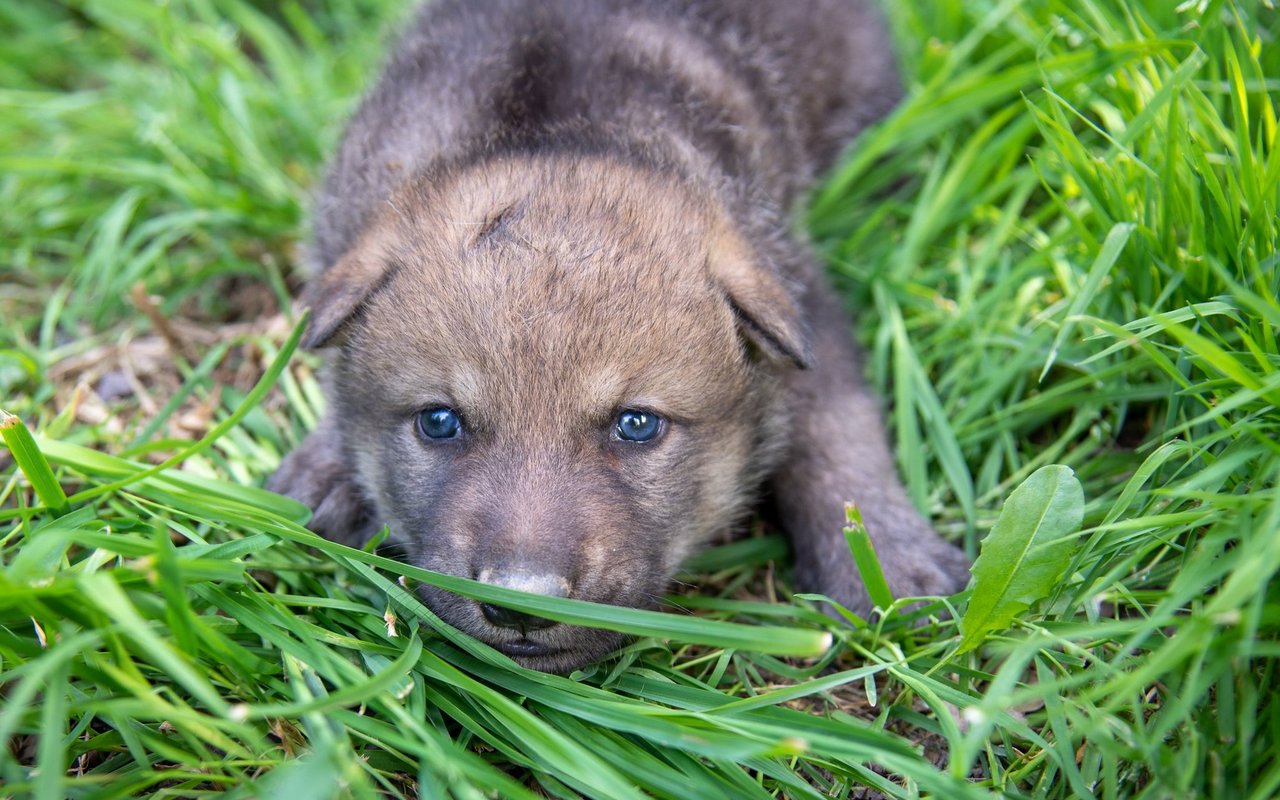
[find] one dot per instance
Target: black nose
(506, 618)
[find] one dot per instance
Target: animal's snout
(543, 583)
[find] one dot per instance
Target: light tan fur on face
(539, 298)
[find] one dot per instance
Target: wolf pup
(573, 334)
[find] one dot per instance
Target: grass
(1063, 248)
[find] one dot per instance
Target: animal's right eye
(439, 423)
(638, 426)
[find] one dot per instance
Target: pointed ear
(337, 293)
(766, 311)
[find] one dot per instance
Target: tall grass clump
(1062, 255)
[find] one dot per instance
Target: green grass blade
(32, 462)
(864, 556)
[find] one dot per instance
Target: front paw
(923, 565)
(919, 564)
(317, 475)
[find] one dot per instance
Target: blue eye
(439, 423)
(638, 426)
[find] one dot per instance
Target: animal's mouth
(525, 648)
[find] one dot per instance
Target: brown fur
(588, 229)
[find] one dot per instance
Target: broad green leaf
(1026, 552)
(316, 774)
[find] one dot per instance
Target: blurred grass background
(1062, 249)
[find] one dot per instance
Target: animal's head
(557, 374)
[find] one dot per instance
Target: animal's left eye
(637, 426)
